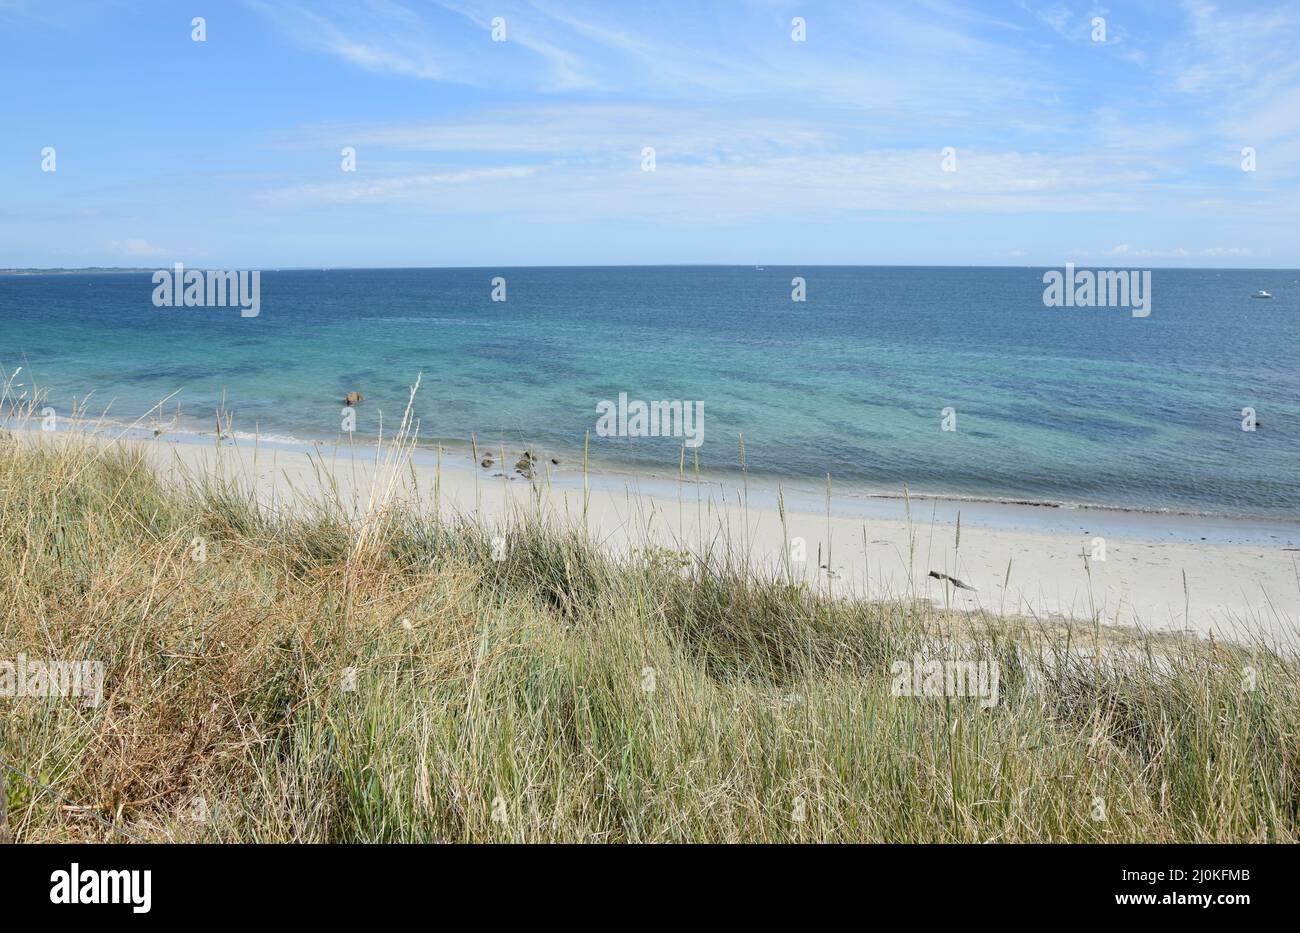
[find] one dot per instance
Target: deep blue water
(1086, 405)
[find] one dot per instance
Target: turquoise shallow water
(1078, 405)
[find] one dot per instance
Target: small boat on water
(758, 269)
(1261, 294)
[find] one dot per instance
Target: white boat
(1261, 294)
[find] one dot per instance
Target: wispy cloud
(889, 58)
(428, 42)
(585, 160)
(400, 188)
(135, 247)
(373, 34)
(1239, 66)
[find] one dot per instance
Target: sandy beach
(1162, 573)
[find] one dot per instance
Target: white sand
(1146, 579)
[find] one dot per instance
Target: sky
(1066, 145)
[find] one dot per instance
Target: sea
(956, 382)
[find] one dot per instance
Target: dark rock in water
(486, 463)
(523, 463)
(555, 461)
(353, 398)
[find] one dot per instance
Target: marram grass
(312, 681)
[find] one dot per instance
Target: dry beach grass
(388, 675)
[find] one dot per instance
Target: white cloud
(375, 35)
(135, 247)
(399, 188)
(1241, 66)
(583, 161)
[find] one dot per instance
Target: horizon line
(32, 270)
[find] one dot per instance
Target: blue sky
(226, 153)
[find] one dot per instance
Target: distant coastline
(84, 270)
(1102, 263)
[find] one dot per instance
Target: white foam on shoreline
(848, 500)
